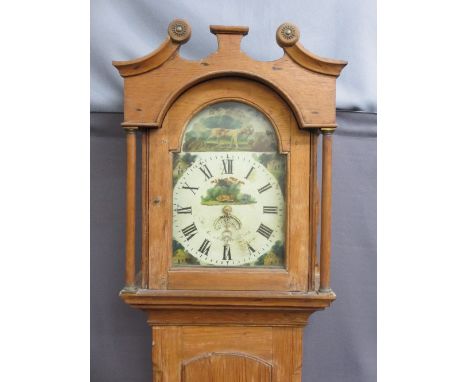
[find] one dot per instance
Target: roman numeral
(205, 247)
(264, 231)
(206, 171)
(270, 209)
(250, 171)
(227, 252)
(184, 210)
(227, 164)
(190, 231)
(264, 188)
(187, 187)
(251, 250)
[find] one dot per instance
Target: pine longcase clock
(231, 204)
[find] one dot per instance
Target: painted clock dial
(228, 190)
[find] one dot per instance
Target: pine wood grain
(255, 341)
(228, 367)
(153, 82)
(167, 347)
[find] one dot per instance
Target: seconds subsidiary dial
(228, 209)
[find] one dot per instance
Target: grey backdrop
(340, 342)
(342, 29)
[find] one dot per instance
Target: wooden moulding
(222, 29)
(222, 316)
(304, 80)
(160, 55)
(227, 307)
(149, 62)
(315, 63)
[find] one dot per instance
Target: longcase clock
(231, 204)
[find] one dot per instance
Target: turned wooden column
(325, 239)
(130, 212)
(314, 206)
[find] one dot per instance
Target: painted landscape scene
(226, 191)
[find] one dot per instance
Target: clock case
(162, 92)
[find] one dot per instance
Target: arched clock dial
(228, 190)
(228, 210)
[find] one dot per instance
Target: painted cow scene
(230, 126)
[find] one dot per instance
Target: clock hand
(227, 221)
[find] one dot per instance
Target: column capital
(130, 129)
(327, 130)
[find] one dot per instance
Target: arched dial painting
(229, 190)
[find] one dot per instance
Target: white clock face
(228, 209)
